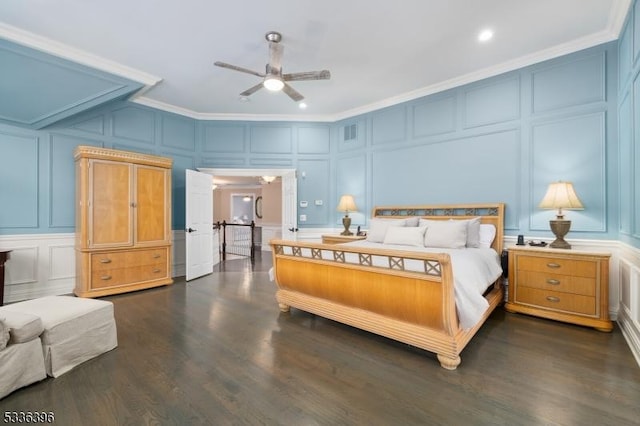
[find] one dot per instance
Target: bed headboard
(492, 213)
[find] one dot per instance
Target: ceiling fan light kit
(273, 78)
(272, 83)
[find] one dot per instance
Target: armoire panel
(573, 150)
(389, 125)
(572, 83)
(224, 139)
(271, 140)
(434, 117)
(134, 123)
(19, 177)
(492, 103)
(178, 132)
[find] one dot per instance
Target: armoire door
(151, 205)
(110, 219)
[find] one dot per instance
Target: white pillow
(473, 231)
(487, 235)
(412, 221)
(4, 334)
(378, 228)
(406, 235)
(445, 233)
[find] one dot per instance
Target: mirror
(259, 207)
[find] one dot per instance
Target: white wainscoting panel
(45, 264)
(628, 281)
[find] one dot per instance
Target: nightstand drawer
(557, 282)
(556, 300)
(579, 268)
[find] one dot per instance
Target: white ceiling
(379, 52)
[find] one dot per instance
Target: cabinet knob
(156, 256)
(553, 265)
(553, 299)
(105, 260)
(105, 277)
(553, 282)
(155, 271)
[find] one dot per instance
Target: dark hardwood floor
(217, 351)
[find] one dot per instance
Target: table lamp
(560, 195)
(346, 205)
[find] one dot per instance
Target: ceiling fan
(273, 78)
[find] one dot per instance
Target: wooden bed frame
(417, 308)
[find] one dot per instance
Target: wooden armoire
(123, 221)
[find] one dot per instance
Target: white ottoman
(75, 329)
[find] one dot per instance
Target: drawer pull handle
(105, 260)
(155, 271)
(156, 256)
(553, 265)
(553, 282)
(105, 277)
(553, 299)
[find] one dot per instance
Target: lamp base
(346, 222)
(560, 228)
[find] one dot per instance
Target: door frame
(288, 223)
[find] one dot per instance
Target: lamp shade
(347, 204)
(561, 195)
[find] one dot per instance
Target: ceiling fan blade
(275, 57)
(237, 68)
(292, 93)
(250, 91)
(309, 75)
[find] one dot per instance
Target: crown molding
(618, 16)
(64, 51)
(605, 36)
(152, 103)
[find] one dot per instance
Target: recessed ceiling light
(302, 105)
(485, 35)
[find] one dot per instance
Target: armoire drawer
(127, 259)
(124, 276)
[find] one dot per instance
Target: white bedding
(474, 270)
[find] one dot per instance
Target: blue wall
(501, 139)
(629, 128)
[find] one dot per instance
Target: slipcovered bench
(74, 329)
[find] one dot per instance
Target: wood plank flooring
(217, 351)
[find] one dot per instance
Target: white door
(199, 224)
(289, 206)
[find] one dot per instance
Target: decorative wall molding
(44, 265)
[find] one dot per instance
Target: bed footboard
(405, 296)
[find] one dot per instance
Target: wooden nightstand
(564, 285)
(338, 239)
